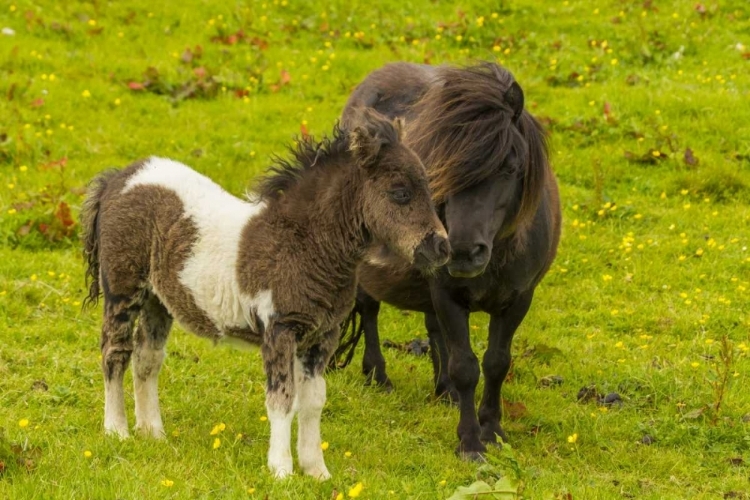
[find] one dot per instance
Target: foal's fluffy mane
(305, 155)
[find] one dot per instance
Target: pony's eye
(402, 196)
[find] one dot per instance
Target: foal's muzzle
(434, 251)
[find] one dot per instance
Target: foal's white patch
(211, 272)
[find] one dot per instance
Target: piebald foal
(162, 241)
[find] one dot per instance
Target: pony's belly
(404, 288)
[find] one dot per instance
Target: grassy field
(648, 107)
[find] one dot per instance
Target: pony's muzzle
(434, 251)
(469, 263)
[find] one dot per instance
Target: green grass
(652, 272)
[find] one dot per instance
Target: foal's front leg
(312, 398)
(279, 353)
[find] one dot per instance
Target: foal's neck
(329, 204)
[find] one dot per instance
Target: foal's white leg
(115, 420)
(146, 366)
(312, 398)
(280, 449)
(116, 348)
(279, 348)
(154, 323)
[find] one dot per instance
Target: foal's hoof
(281, 473)
(120, 433)
(319, 473)
(151, 432)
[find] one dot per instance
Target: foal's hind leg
(116, 348)
(151, 335)
(444, 388)
(312, 398)
(279, 352)
(496, 363)
(373, 362)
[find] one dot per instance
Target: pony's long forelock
(465, 129)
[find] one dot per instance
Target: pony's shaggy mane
(465, 130)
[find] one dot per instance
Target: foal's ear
(514, 98)
(371, 133)
(364, 145)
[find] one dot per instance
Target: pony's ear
(364, 145)
(514, 98)
(399, 124)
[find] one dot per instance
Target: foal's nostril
(442, 249)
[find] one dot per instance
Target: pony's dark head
(486, 158)
(397, 208)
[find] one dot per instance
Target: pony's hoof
(449, 397)
(495, 436)
(381, 381)
(472, 456)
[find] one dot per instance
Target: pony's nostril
(478, 251)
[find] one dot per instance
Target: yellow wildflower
(355, 491)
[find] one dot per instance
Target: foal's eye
(402, 196)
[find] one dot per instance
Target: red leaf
(57, 163)
(63, 215)
(37, 103)
(514, 410)
(200, 72)
(607, 109)
(285, 77)
(303, 130)
(136, 86)
(43, 228)
(240, 93)
(260, 43)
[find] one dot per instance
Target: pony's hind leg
(312, 398)
(279, 352)
(151, 335)
(116, 348)
(444, 388)
(373, 362)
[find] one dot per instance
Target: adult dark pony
(488, 167)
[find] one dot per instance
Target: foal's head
(398, 209)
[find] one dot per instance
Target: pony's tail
(90, 233)
(351, 332)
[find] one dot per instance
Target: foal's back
(165, 228)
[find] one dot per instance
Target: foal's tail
(90, 232)
(351, 331)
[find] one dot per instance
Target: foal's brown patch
(148, 217)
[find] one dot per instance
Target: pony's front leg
(279, 352)
(496, 363)
(463, 369)
(312, 398)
